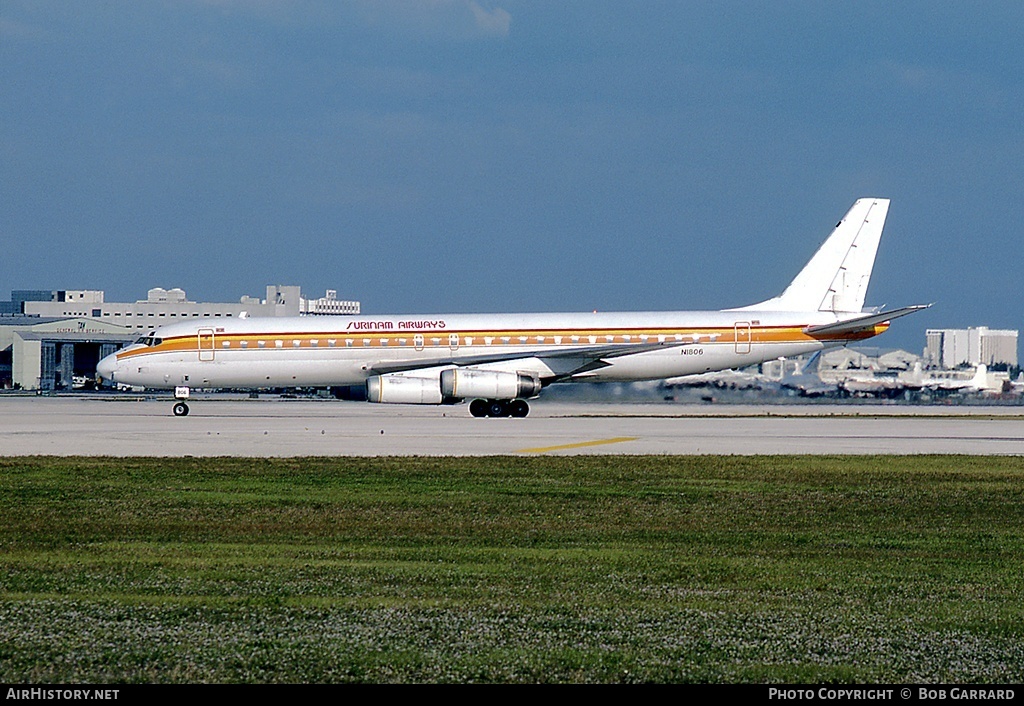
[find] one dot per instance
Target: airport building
(53, 339)
(328, 305)
(16, 305)
(949, 348)
(42, 353)
(166, 306)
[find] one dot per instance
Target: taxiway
(272, 427)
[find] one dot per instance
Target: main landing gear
(499, 408)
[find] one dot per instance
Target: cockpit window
(149, 341)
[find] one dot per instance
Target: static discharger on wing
(499, 361)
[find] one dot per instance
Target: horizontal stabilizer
(862, 322)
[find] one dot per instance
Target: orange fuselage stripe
(442, 339)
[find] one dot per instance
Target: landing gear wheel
(180, 409)
(518, 408)
(497, 408)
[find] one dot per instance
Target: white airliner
(500, 360)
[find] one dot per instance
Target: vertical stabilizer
(836, 278)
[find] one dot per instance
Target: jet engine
(450, 385)
(489, 384)
(395, 388)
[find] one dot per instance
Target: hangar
(39, 353)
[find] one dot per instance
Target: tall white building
(329, 304)
(948, 348)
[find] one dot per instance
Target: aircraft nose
(105, 369)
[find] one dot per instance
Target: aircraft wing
(862, 323)
(563, 360)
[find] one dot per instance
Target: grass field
(508, 569)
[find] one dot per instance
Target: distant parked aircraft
(916, 379)
(1018, 384)
(802, 381)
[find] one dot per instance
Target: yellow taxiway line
(597, 442)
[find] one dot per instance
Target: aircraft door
(206, 344)
(742, 337)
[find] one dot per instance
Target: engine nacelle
(394, 388)
(488, 384)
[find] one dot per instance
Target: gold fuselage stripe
(283, 340)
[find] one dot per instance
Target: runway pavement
(102, 425)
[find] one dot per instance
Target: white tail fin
(836, 279)
(980, 379)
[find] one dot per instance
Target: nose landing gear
(180, 395)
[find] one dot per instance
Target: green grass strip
(887, 569)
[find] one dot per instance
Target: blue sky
(514, 155)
